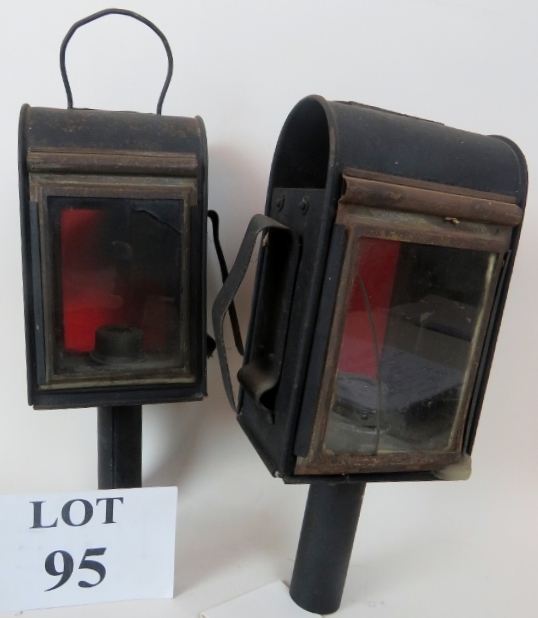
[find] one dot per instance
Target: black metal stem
(329, 525)
(119, 435)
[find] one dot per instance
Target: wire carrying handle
(127, 13)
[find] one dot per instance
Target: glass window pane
(411, 324)
(119, 284)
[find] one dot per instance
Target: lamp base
(329, 526)
(119, 435)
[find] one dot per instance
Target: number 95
(68, 565)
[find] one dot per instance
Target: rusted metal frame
(425, 229)
(497, 241)
(385, 463)
(43, 186)
(326, 392)
(166, 375)
(423, 184)
(142, 187)
(454, 207)
(90, 161)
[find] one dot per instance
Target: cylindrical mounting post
(119, 432)
(329, 526)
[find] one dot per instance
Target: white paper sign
(86, 547)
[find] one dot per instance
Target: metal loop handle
(213, 216)
(258, 223)
(127, 13)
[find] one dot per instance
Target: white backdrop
(434, 549)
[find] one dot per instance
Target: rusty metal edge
(89, 161)
(380, 194)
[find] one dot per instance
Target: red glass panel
(89, 297)
(376, 265)
(106, 282)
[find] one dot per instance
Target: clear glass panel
(410, 330)
(118, 284)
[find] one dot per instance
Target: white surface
(465, 549)
(134, 527)
(269, 601)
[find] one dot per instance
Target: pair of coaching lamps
(387, 247)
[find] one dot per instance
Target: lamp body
(113, 219)
(373, 332)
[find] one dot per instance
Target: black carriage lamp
(388, 244)
(113, 217)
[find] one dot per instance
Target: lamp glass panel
(411, 329)
(119, 280)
